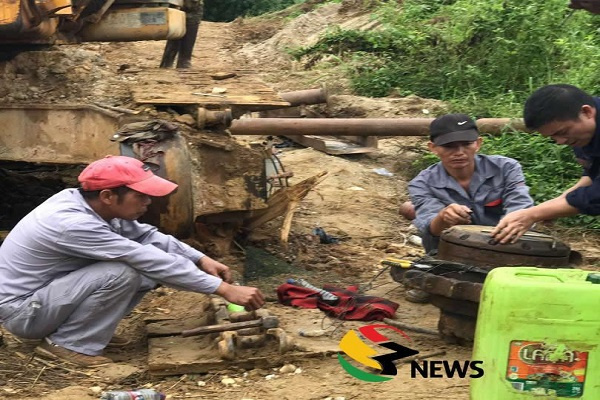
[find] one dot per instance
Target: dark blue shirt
(587, 199)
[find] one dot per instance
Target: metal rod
(410, 327)
(357, 126)
(309, 96)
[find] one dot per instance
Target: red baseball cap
(114, 171)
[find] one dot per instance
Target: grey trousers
(81, 310)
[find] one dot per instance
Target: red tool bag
(351, 305)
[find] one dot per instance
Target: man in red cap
(78, 263)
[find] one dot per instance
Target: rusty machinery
(454, 277)
(243, 330)
(44, 22)
(78, 134)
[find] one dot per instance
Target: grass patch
(483, 56)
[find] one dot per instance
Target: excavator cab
(75, 21)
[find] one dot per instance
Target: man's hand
(249, 297)
(215, 268)
(513, 226)
(456, 214)
(592, 6)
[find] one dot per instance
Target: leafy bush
(549, 169)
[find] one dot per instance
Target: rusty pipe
(356, 126)
(207, 118)
(309, 96)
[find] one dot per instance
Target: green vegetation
(228, 10)
(549, 169)
(483, 56)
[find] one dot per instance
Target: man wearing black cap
(464, 187)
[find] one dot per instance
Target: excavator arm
(45, 21)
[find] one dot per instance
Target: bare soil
(354, 203)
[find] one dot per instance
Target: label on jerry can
(546, 369)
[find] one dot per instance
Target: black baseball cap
(453, 128)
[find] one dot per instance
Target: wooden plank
(278, 203)
(176, 87)
(181, 97)
(443, 286)
(195, 355)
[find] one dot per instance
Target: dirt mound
(64, 74)
(347, 106)
(302, 31)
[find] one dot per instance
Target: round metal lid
(531, 243)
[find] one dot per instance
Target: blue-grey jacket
(497, 188)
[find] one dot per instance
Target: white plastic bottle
(140, 394)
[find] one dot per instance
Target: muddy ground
(353, 203)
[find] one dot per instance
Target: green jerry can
(538, 335)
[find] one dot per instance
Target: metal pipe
(308, 96)
(208, 118)
(356, 126)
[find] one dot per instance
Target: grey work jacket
(497, 188)
(64, 234)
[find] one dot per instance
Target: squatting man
(78, 263)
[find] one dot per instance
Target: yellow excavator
(74, 21)
(224, 186)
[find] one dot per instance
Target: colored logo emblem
(368, 354)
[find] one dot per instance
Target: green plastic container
(538, 335)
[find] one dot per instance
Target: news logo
(377, 357)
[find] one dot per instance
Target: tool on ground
(409, 327)
(324, 238)
(395, 262)
(140, 394)
(326, 296)
(405, 264)
(264, 322)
